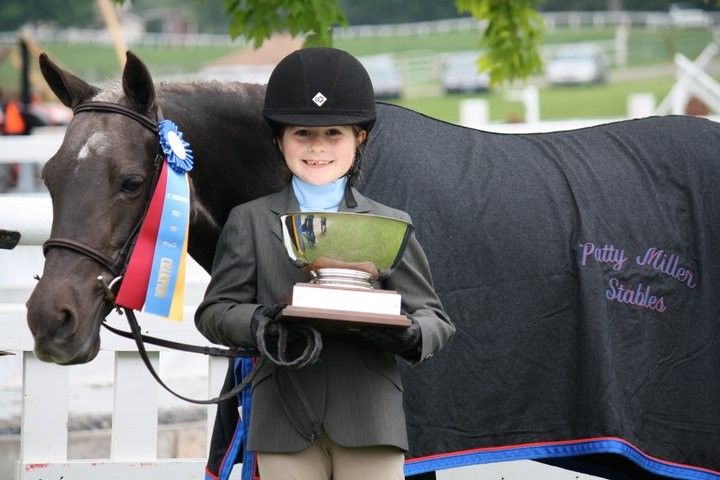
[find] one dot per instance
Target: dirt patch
(270, 53)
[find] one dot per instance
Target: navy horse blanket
(582, 271)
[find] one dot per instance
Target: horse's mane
(238, 90)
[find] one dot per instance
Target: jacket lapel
(283, 202)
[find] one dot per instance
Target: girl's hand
(405, 342)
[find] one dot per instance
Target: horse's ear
(137, 84)
(70, 89)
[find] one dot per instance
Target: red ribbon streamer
(135, 281)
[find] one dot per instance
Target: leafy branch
(257, 20)
(510, 46)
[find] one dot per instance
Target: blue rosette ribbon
(177, 151)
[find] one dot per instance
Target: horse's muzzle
(62, 334)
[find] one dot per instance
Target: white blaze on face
(96, 144)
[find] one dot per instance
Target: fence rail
(103, 37)
(567, 19)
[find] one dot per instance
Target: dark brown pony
(101, 176)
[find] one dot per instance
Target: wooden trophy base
(341, 321)
(338, 310)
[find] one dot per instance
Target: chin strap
(349, 197)
(352, 177)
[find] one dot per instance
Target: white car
(460, 73)
(384, 75)
(577, 64)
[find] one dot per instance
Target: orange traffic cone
(14, 123)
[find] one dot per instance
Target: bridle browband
(109, 107)
(117, 266)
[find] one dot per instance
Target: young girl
(341, 417)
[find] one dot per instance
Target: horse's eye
(132, 184)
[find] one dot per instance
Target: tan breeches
(325, 460)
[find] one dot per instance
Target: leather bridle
(117, 264)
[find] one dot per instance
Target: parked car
(577, 64)
(460, 73)
(683, 15)
(384, 74)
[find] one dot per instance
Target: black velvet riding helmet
(320, 86)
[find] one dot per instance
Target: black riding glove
(266, 315)
(406, 342)
(273, 338)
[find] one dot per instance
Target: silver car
(577, 64)
(460, 73)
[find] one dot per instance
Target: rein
(141, 339)
(117, 267)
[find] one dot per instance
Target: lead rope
(302, 416)
(309, 356)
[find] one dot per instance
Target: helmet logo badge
(319, 99)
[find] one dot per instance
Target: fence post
(474, 113)
(217, 368)
(44, 412)
(135, 409)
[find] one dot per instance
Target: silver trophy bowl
(343, 248)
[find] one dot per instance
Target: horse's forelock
(111, 94)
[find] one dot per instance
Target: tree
(374, 12)
(61, 12)
(258, 19)
(510, 45)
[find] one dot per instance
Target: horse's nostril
(66, 324)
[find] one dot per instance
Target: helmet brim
(319, 119)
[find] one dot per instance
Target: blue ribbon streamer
(169, 246)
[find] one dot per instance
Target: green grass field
(98, 64)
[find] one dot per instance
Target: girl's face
(320, 155)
